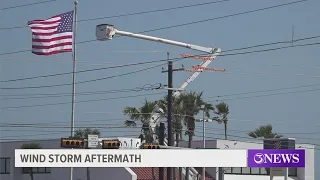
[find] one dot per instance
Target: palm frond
(130, 123)
(132, 112)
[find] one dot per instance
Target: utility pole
(169, 170)
(170, 89)
(161, 142)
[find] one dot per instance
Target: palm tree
(142, 114)
(191, 103)
(83, 134)
(222, 110)
(30, 146)
(177, 122)
(177, 119)
(264, 131)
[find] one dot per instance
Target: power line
(161, 60)
(148, 62)
(89, 70)
(92, 100)
(184, 24)
(257, 138)
(113, 126)
(82, 71)
(81, 82)
(199, 128)
(271, 49)
(146, 87)
(10, 138)
(132, 14)
(267, 90)
(24, 5)
(272, 43)
(226, 16)
(274, 94)
(50, 104)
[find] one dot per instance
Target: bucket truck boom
(107, 32)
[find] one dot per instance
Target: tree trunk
(153, 174)
(189, 146)
(225, 130)
(88, 173)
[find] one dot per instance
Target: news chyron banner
(276, 158)
(158, 158)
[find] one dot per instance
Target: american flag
(53, 35)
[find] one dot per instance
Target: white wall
(308, 172)
(7, 150)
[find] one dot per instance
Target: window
(256, 171)
(36, 170)
(245, 170)
(5, 165)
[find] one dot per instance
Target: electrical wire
(146, 87)
(161, 60)
(90, 70)
(132, 14)
(133, 64)
(199, 129)
(227, 16)
(122, 118)
(83, 101)
(271, 49)
(111, 126)
(184, 24)
(176, 59)
(274, 94)
(267, 90)
(210, 137)
(103, 99)
(82, 82)
(24, 5)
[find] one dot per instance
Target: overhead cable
(184, 24)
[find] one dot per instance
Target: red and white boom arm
(107, 32)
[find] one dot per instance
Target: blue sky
(294, 114)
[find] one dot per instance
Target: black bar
(169, 170)
(161, 142)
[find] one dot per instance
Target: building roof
(145, 173)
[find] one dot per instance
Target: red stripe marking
(52, 46)
(52, 52)
(44, 28)
(43, 34)
(52, 39)
(44, 22)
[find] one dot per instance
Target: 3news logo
(276, 158)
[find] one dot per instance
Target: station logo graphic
(276, 158)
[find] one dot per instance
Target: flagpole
(73, 76)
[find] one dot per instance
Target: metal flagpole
(73, 76)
